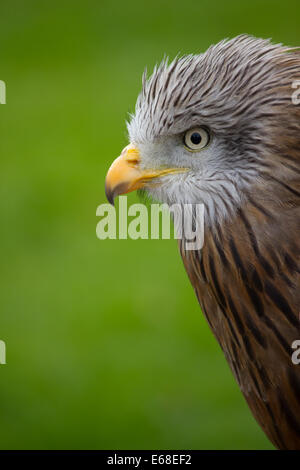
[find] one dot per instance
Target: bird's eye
(196, 139)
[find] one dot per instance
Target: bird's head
(206, 127)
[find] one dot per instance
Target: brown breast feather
(247, 281)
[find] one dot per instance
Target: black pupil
(196, 138)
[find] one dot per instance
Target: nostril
(133, 161)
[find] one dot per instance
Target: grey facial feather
(238, 89)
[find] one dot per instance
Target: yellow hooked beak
(125, 174)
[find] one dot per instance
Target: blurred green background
(106, 344)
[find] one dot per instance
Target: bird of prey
(222, 129)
